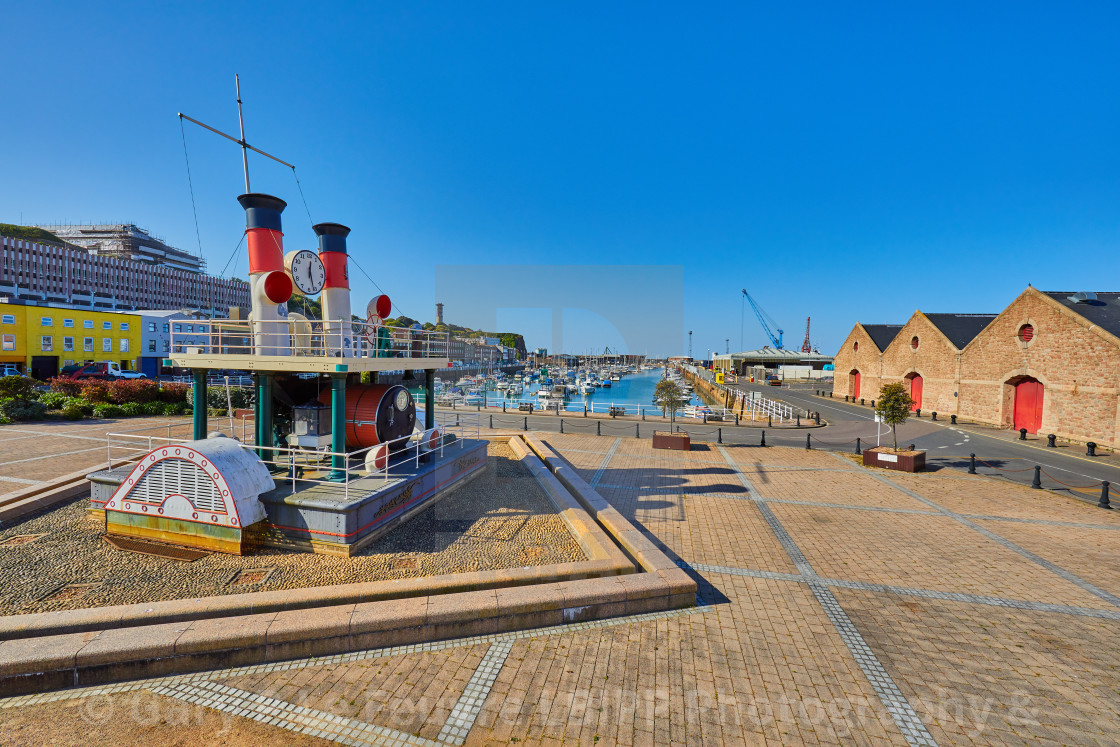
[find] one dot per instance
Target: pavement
(838, 605)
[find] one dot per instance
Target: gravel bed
(500, 520)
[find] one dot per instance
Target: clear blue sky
(799, 150)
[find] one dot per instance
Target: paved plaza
(838, 605)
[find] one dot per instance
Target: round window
(855, 347)
(1026, 332)
(914, 342)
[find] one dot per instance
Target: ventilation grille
(178, 477)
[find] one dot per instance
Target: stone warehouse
(1050, 363)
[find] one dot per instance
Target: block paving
(839, 605)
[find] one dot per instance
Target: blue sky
(844, 161)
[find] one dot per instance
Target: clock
(402, 400)
(306, 270)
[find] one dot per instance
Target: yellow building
(40, 340)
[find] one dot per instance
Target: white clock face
(402, 400)
(307, 271)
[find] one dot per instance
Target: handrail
(313, 338)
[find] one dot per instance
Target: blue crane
(766, 321)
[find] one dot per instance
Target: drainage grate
(250, 576)
(158, 549)
(21, 539)
(406, 564)
(67, 592)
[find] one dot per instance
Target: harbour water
(634, 391)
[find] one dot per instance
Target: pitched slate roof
(882, 334)
(960, 328)
(1103, 312)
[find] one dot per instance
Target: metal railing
(294, 465)
(310, 338)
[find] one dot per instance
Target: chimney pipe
(339, 332)
(269, 286)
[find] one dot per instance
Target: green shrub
(217, 412)
(53, 400)
(22, 409)
(104, 411)
(172, 392)
(18, 387)
(240, 397)
(132, 409)
(86, 408)
(72, 411)
(152, 408)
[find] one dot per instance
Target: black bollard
(934, 416)
(1050, 441)
(1103, 503)
(456, 420)
(1091, 449)
(705, 418)
(799, 420)
(503, 407)
(491, 422)
(858, 443)
(526, 422)
(1022, 434)
(808, 440)
(911, 447)
(598, 427)
(845, 398)
(972, 464)
(817, 417)
(642, 412)
(719, 435)
(872, 403)
(769, 422)
(861, 400)
(1036, 483)
(736, 419)
(918, 412)
(830, 395)
(763, 441)
(637, 431)
(561, 425)
(953, 419)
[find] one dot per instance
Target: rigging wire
(234, 254)
(375, 285)
(190, 183)
(302, 197)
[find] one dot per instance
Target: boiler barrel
(376, 413)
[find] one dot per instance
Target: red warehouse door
(916, 392)
(855, 384)
(1028, 405)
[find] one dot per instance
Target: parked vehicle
(132, 375)
(773, 381)
(103, 370)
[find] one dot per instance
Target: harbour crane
(767, 322)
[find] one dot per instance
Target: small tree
(894, 407)
(670, 397)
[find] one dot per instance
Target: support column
(429, 399)
(199, 404)
(338, 426)
(262, 416)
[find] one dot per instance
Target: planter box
(667, 440)
(903, 461)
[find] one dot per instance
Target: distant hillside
(509, 339)
(30, 233)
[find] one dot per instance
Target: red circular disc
(278, 286)
(383, 306)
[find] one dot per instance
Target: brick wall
(935, 359)
(866, 360)
(1079, 367)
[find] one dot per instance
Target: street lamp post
(690, 344)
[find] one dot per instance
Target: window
(106, 325)
(124, 326)
(9, 319)
(167, 346)
(67, 322)
(106, 344)
(9, 342)
(914, 342)
(124, 345)
(190, 328)
(151, 346)
(47, 343)
(166, 328)
(151, 326)
(87, 344)
(47, 321)
(855, 347)
(1026, 333)
(88, 324)
(68, 344)
(178, 327)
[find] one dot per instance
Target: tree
(670, 397)
(893, 407)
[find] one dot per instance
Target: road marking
(466, 711)
(20, 480)
(606, 460)
(52, 456)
